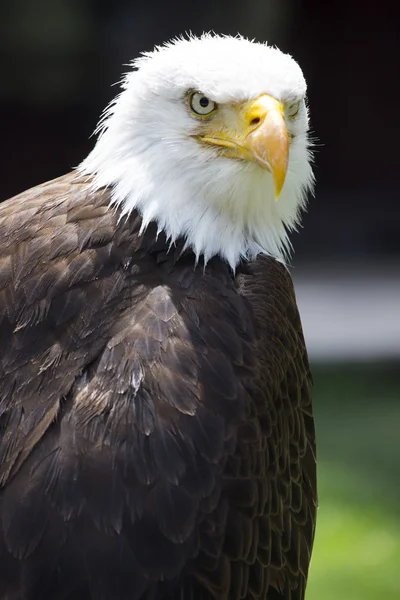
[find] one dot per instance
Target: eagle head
(209, 139)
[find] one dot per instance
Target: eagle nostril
(254, 121)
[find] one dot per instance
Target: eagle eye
(200, 105)
(293, 109)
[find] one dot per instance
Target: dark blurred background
(59, 61)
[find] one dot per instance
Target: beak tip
(278, 188)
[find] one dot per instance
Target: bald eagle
(156, 428)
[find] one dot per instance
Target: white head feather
(147, 154)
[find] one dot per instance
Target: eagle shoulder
(60, 266)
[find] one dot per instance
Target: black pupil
(204, 102)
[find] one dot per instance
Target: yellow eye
(293, 109)
(200, 105)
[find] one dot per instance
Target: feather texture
(156, 431)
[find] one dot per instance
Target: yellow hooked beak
(254, 131)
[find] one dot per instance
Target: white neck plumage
(221, 206)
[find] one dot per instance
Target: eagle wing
(56, 247)
(155, 419)
(282, 392)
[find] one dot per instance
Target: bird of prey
(156, 427)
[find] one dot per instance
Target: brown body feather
(156, 428)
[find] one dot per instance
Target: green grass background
(357, 546)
